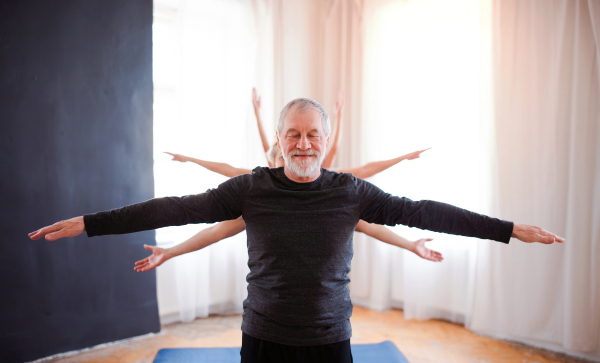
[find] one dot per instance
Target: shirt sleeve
(222, 203)
(379, 207)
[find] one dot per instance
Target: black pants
(256, 350)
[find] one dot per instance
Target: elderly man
(300, 220)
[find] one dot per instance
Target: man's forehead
(296, 119)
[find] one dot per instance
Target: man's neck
(301, 179)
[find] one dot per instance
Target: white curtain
(547, 161)
(207, 55)
(422, 79)
(514, 135)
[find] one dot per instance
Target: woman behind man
(230, 228)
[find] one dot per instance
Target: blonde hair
(272, 153)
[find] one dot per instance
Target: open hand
(177, 157)
(531, 234)
(424, 252)
(69, 228)
(159, 255)
(255, 101)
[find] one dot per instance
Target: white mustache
(307, 152)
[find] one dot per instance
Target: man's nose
(303, 143)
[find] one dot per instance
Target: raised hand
(177, 157)
(415, 154)
(69, 228)
(424, 252)
(255, 101)
(157, 258)
(531, 234)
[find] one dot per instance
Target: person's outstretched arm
(376, 167)
(339, 108)
(382, 208)
(215, 205)
(202, 239)
(219, 168)
(386, 235)
(261, 130)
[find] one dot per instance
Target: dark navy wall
(75, 137)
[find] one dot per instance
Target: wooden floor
(419, 341)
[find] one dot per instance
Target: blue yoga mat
(385, 352)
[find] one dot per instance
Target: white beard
(303, 168)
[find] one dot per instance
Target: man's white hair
(305, 105)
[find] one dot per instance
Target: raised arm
(202, 239)
(261, 130)
(385, 235)
(338, 109)
(376, 167)
(219, 168)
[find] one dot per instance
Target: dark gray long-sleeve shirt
(299, 242)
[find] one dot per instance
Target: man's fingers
(47, 231)
(44, 231)
(56, 235)
(32, 233)
(530, 234)
(543, 238)
(550, 237)
(149, 248)
(51, 237)
(555, 237)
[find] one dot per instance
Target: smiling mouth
(304, 156)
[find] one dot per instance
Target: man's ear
(278, 143)
(327, 143)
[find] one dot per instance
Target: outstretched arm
(376, 167)
(261, 129)
(382, 208)
(219, 168)
(215, 205)
(202, 239)
(338, 108)
(386, 235)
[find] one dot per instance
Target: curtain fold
(547, 127)
(421, 86)
(209, 56)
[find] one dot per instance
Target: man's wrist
(82, 221)
(516, 230)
